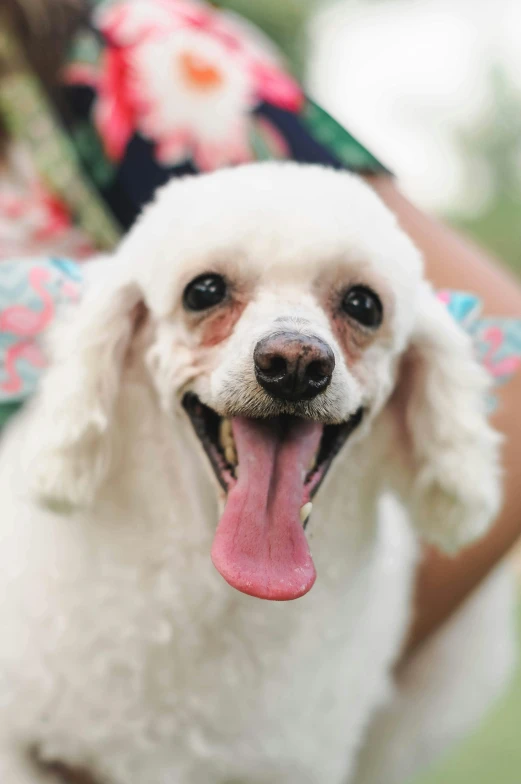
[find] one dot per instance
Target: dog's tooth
(227, 441)
(225, 431)
(305, 512)
(230, 454)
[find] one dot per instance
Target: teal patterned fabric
(31, 294)
(497, 340)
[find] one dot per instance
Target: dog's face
(281, 300)
(284, 296)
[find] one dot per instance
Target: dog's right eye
(205, 292)
(364, 306)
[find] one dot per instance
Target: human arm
(452, 262)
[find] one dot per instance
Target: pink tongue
(260, 547)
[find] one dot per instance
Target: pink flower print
(187, 77)
(498, 368)
(24, 321)
(35, 221)
(31, 353)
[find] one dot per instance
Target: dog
(260, 377)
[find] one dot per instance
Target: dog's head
(286, 311)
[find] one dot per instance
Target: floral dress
(153, 89)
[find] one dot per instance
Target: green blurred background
(488, 147)
(457, 121)
(493, 753)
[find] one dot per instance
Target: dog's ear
(69, 453)
(450, 473)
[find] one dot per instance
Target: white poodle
(259, 329)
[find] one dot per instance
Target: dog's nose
(293, 367)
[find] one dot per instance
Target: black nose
(293, 367)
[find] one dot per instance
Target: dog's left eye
(364, 306)
(205, 292)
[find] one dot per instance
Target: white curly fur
(123, 651)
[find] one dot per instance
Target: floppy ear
(450, 473)
(70, 438)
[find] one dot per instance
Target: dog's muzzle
(294, 367)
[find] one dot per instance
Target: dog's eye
(204, 292)
(364, 306)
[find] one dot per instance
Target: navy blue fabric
(138, 175)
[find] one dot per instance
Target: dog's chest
(153, 669)
(231, 685)
(191, 678)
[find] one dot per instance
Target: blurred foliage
(494, 147)
(285, 21)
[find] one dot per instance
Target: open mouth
(270, 470)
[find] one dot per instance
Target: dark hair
(44, 29)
